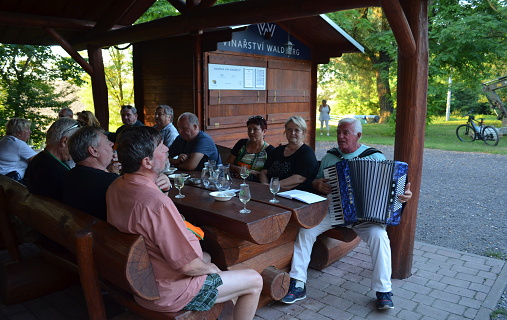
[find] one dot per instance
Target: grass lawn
(440, 134)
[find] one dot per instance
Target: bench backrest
(120, 258)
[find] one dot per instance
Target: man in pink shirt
(186, 281)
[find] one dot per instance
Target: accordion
(366, 190)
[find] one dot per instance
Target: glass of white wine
(179, 182)
(244, 173)
(274, 187)
(244, 196)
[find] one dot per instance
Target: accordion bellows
(366, 190)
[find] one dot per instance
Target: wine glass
(205, 176)
(179, 182)
(224, 182)
(274, 187)
(244, 196)
(244, 173)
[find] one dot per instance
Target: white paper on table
(304, 196)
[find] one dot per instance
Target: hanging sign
(267, 39)
(230, 77)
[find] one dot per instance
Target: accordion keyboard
(335, 210)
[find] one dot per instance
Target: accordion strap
(363, 154)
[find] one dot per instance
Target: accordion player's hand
(322, 186)
(406, 195)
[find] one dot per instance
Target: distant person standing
(164, 116)
(66, 113)
(324, 117)
(129, 118)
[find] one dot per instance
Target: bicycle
(472, 131)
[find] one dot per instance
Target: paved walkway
(445, 285)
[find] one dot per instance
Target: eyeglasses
(77, 125)
(256, 117)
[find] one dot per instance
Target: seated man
(129, 118)
(136, 205)
(164, 116)
(47, 170)
(96, 168)
(86, 184)
(66, 113)
(348, 134)
(193, 147)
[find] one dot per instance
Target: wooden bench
(101, 255)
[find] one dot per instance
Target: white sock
(299, 284)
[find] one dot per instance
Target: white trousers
(375, 235)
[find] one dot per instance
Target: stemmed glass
(206, 176)
(244, 173)
(179, 182)
(274, 187)
(244, 196)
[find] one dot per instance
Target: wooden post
(198, 80)
(410, 127)
(99, 87)
(88, 276)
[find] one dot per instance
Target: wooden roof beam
(73, 53)
(29, 20)
(401, 29)
(235, 13)
(112, 16)
(179, 5)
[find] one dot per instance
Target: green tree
(370, 73)
(29, 86)
(466, 39)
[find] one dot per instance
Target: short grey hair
(192, 118)
(129, 107)
(356, 124)
(298, 121)
(85, 137)
(63, 127)
(167, 109)
(16, 125)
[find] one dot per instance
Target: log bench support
(331, 246)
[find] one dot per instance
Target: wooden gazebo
(94, 24)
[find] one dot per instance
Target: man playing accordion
(374, 234)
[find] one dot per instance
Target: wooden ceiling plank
(236, 13)
(73, 53)
(112, 16)
(401, 29)
(29, 20)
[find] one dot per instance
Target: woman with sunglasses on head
(252, 152)
(295, 163)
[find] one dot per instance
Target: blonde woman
(87, 119)
(295, 163)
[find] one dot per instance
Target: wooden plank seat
(99, 251)
(29, 273)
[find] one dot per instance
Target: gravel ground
(462, 202)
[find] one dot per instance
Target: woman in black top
(294, 164)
